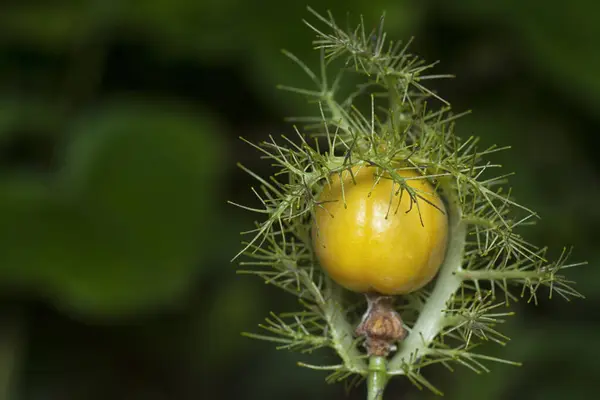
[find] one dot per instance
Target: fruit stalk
(377, 378)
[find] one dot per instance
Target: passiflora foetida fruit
(371, 235)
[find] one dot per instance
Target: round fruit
(372, 245)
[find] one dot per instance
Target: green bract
(486, 259)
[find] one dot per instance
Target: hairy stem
(377, 379)
(432, 319)
(341, 332)
(498, 275)
(337, 114)
(396, 102)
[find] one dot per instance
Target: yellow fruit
(370, 246)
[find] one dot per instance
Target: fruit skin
(365, 251)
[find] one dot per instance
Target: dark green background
(118, 139)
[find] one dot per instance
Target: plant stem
(499, 275)
(377, 379)
(342, 334)
(432, 318)
(396, 103)
(337, 114)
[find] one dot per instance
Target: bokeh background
(118, 142)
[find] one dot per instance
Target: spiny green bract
(485, 256)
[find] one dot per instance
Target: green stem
(433, 316)
(377, 378)
(337, 115)
(499, 275)
(396, 103)
(341, 331)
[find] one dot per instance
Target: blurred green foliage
(123, 210)
(118, 127)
